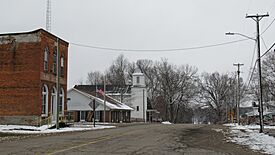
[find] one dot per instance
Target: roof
(138, 74)
(109, 88)
(110, 102)
(256, 113)
(112, 90)
(34, 31)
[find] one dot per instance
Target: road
(150, 139)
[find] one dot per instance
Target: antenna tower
(48, 16)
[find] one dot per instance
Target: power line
(264, 42)
(268, 50)
(251, 75)
(157, 50)
(256, 63)
(268, 26)
(251, 65)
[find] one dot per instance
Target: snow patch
(249, 136)
(21, 129)
(218, 130)
(166, 122)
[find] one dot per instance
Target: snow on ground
(166, 122)
(249, 135)
(253, 127)
(21, 129)
(218, 130)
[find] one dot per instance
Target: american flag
(100, 91)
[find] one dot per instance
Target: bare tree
(130, 70)
(118, 71)
(216, 92)
(176, 86)
(268, 74)
(95, 77)
(148, 68)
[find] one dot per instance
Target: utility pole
(238, 92)
(57, 83)
(94, 110)
(104, 114)
(257, 19)
(143, 102)
(95, 99)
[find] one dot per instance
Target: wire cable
(264, 42)
(267, 50)
(268, 26)
(251, 64)
(157, 50)
(251, 75)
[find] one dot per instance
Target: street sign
(91, 104)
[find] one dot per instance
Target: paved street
(139, 139)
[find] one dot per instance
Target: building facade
(80, 107)
(134, 96)
(139, 98)
(28, 69)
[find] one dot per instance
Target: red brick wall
(19, 79)
(22, 75)
(49, 77)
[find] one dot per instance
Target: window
(54, 101)
(46, 59)
(82, 115)
(61, 103)
(45, 100)
(97, 116)
(137, 108)
(54, 62)
(138, 80)
(62, 65)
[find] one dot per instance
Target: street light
(257, 40)
(235, 33)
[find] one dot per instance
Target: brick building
(28, 68)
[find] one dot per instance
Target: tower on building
(139, 97)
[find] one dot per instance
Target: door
(82, 116)
(54, 105)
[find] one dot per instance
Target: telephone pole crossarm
(257, 16)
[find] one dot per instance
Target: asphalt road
(150, 139)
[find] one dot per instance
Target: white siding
(78, 102)
(139, 99)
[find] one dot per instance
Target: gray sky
(146, 24)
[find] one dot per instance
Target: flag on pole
(100, 91)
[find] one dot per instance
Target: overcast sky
(146, 24)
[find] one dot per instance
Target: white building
(81, 103)
(139, 98)
(135, 96)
